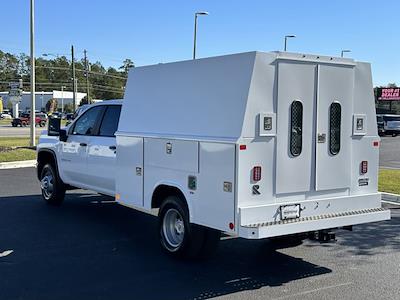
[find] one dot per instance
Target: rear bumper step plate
(311, 223)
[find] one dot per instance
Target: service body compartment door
(129, 173)
(214, 205)
(334, 127)
(295, 126)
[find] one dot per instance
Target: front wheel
(53, 189)
(180, 238)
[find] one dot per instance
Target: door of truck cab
(314, 124)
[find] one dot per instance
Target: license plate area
(290, 211)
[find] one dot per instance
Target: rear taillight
(364, 167)
(257, 173)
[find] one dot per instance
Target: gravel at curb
(18, 164)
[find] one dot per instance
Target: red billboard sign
(389, 94)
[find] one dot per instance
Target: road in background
(92, 249)
(9, 131)
(389, 152)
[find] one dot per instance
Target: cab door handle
(113, 147)
(83, 144)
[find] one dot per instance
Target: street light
(344, 51)
(32, 46)
(287, 37)
(199, 13)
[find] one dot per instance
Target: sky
(150, 32)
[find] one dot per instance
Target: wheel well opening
(43, 158)
(162, 192)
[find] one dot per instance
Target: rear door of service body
(314, 125)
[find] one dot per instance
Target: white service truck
(256, 145)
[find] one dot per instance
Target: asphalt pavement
(89, 248)
(9, 131)
(389, 152)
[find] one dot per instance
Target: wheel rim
(47, 184)
(173, 228)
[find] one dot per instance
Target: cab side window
(109, 124)
(86, 124)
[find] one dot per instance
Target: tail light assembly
(364, 167)
(256, 173)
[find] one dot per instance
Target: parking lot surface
(91, 248)
(389, 152)
(8, 130)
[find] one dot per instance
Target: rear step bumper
(312, 223)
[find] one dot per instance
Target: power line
(82, 70)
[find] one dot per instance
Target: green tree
(52, 73)
(68, 108)
(127, 64)
(51, 105)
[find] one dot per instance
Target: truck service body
(256, 144)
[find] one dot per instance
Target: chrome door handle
(83, 144)
(113, 147)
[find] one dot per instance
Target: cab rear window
(109, 124)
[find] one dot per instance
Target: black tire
(192, 237)
(53, 189)
(14, 125)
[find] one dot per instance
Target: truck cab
(86, 158)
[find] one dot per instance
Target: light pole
(343, 52)
(199, 13)
(62, 98)
(41, 106)
(32, 40)
(287, 37)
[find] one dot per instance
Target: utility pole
(32, 121)
(62, 98)
(74, 82)
(87, 76)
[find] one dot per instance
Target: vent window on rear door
(335, 116)
(296, 128)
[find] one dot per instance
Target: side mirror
(63, 135)
(54, 127)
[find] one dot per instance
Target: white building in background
(62, 97)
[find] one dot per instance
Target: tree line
(52, 73)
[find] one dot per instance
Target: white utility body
(207, 110)
(257, 144)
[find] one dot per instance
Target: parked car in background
(5, 116)
(379, 122)
(24, 120)
(388, 124)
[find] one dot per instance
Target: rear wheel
(178, 237)
(53, 189)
